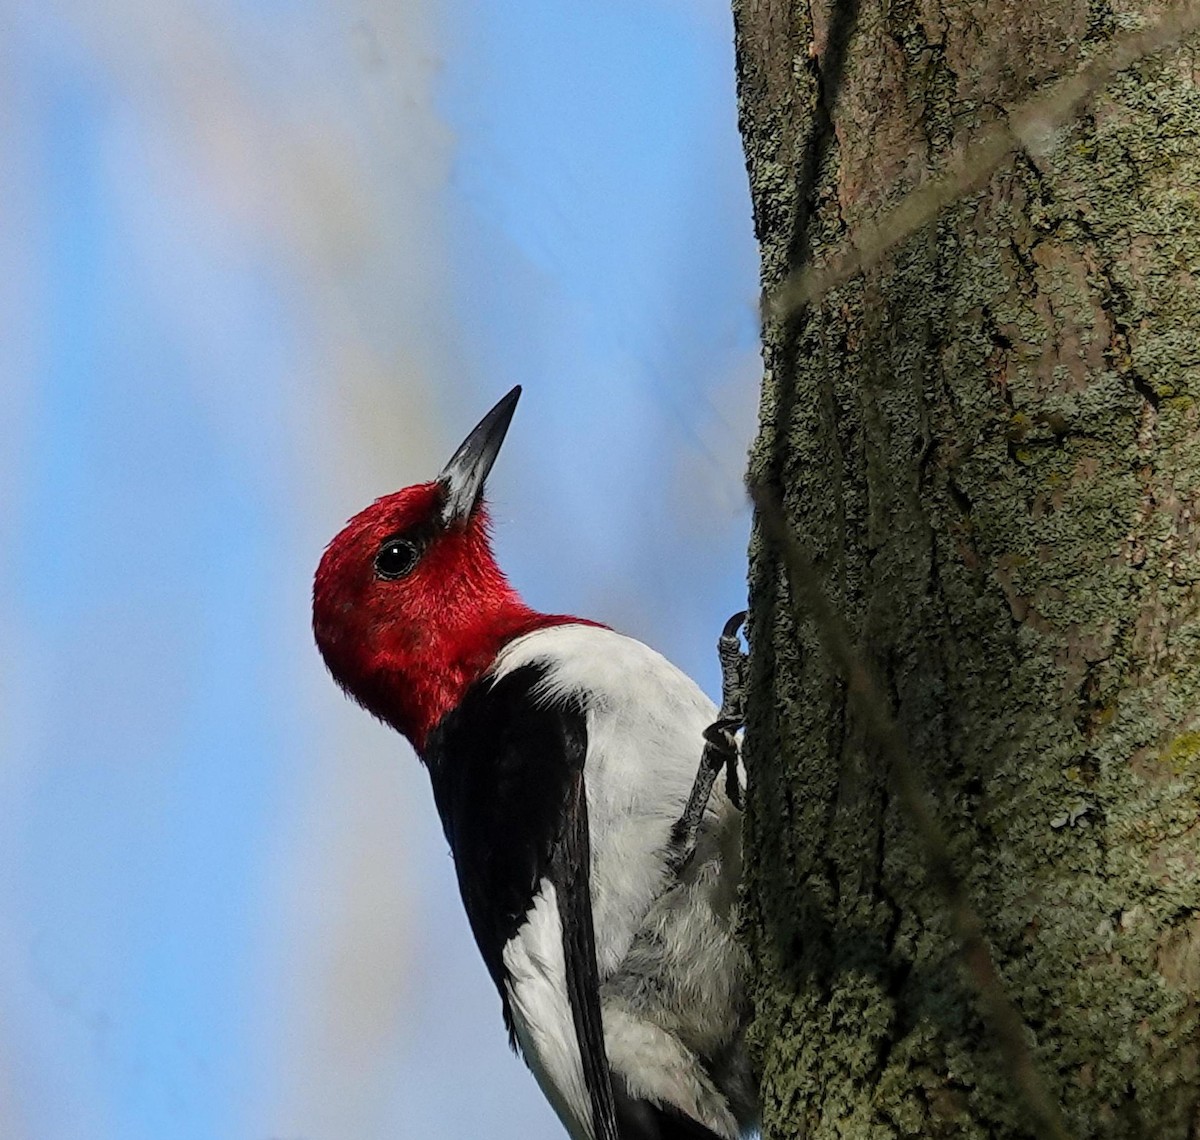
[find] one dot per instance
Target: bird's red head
(409, 606)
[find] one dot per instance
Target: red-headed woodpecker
(562, 756)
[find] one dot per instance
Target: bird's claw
(720, 744)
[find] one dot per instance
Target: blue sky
(268, 261)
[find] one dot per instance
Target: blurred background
(263, 262)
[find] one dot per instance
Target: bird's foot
(720, 745)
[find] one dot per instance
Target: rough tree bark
(989, 443)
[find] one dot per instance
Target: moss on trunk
(991, 446)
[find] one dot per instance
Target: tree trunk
(989, 445)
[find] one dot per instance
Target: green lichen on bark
(990, 444)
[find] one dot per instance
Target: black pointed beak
(464, 476)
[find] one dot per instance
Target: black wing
(507, 772)
(642, 1120)
(569, 873)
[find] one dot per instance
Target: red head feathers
(409, 606)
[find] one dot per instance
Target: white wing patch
(537, 994)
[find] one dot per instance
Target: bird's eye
(396, 557)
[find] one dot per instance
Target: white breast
(645, 725)
(645, 720)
